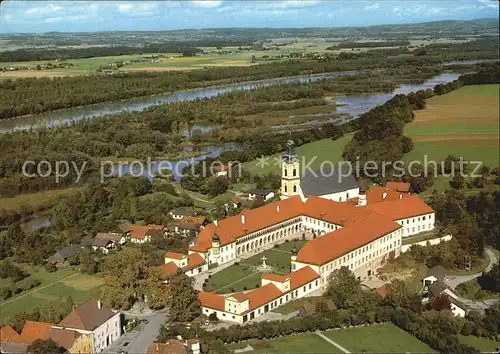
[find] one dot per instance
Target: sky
(92, 16)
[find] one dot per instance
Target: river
(65, 116)
(353, 106)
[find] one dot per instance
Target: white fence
(432, 241)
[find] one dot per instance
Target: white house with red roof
(274, 291)
(191, 265)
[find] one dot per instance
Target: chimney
(99, 305)
(242, 218)
(157, 347)
(278, 208)
(400, 196)
(362, 200)
(384, 195)
(216, 222)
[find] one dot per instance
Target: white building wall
(363, 261)
(285, 298)
(457, 311)
(415, 225)
(107, 333)
(342, 196)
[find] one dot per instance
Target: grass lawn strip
(381, 338)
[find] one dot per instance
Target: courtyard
(246, 274)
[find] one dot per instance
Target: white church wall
(342, 196)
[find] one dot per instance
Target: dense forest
(370, 44)
(191, 47)
(37, 95)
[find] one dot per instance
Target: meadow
(321, 150)
(464, 122)
(381, 338)
(65, 282)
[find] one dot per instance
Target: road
(453, 281)
(137, 342)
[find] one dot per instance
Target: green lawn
(299, 344)
(472, 290)
(228, 276)
(245, 276)
(382, 338)
(40, 274)
(427, 235)
(80, 287)
(292, 306)
(321, 150)
(480, 343)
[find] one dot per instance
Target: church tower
(290, 172)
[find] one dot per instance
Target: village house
(108, 241)
(190, 265)
(265, 194)
(102, 325)
(179, 213)
(143, 233)
(222, 170)
(190, 225)
(64, 256)
(175, 346)
(235, 202)
(69, 341)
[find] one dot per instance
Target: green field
(299, 344)
(319, 151)
(245, 276)
(382, 338)
(80, 287)
(484, 345)
(464, 122)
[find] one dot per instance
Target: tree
(397, 294)
(441, 302)
(126, 278)
(218, 185)
(343, 287)
(458, 182)
(44, 346)
(183, 302)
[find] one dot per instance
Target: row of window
(418, 229)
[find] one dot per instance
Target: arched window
(286, 172)
(286, 189)
(347, 196)
(295, 188)
(294, 172)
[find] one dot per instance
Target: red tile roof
(212, 300)
(172, 346)
(194, 260)
(174, 255)
(87, 316)
(397, 209)
(398, 186)
(33, 330)
(63, 337)
(381, 194)
(139, 232)
(275, 277)
(302, 277)
(263, 295)
(168, 270)
(382, 290)
(8, 334)
(335, 244)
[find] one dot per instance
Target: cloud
(396, 9)
(207, 3)
(295, 3)
(434, 10)
(372, 7)
(43, 10)
(489, 4)
(125, 7)
(67, 18)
